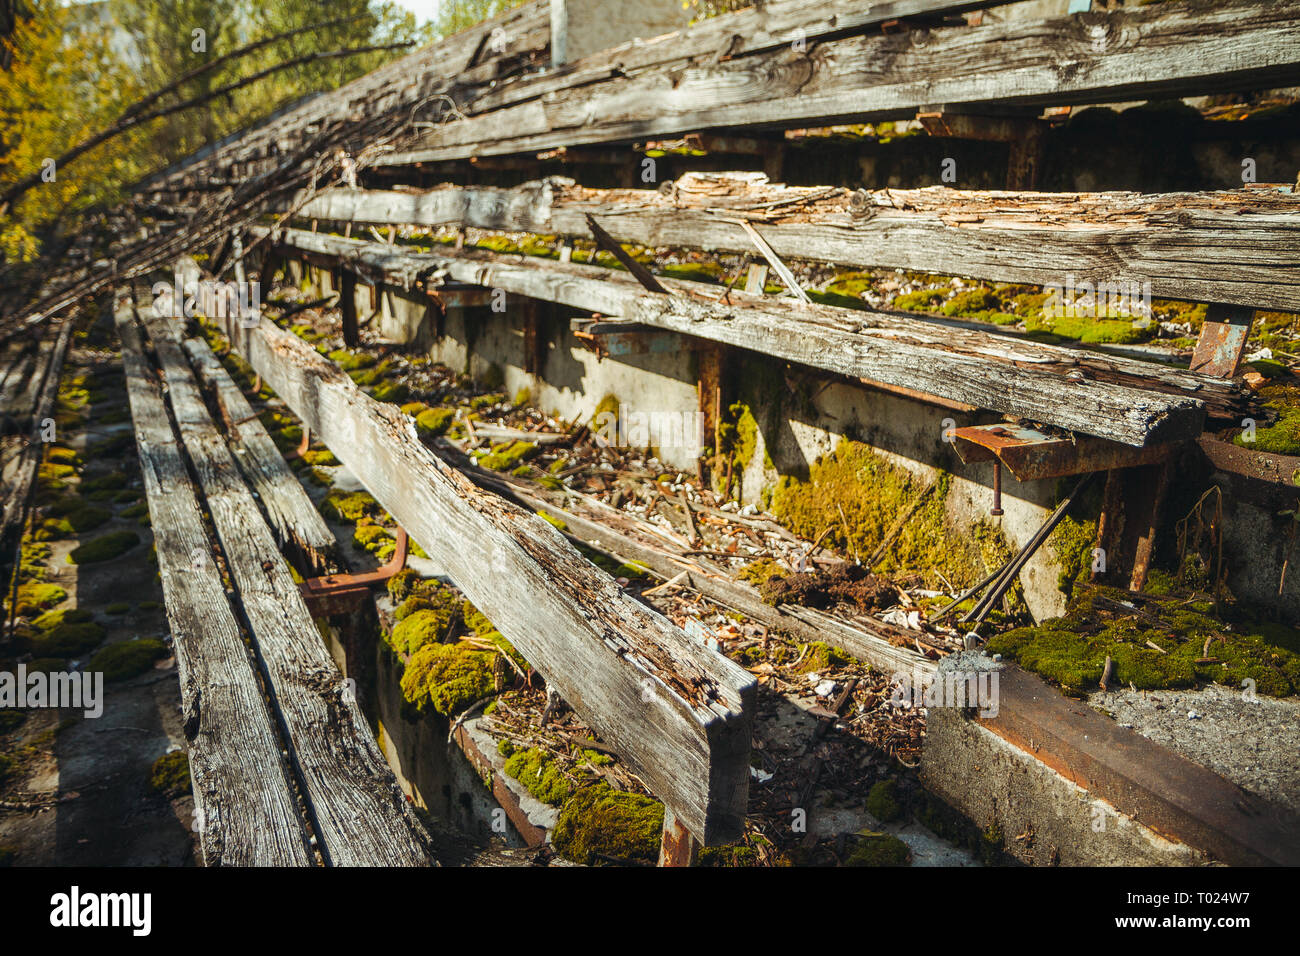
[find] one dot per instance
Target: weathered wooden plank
(1236, 246)
(679, 713)
(357, 810)
(729, 36)
(1026, 379)
(1182, 49)
(40, 396)
(246, 811)
(288, 509)
(874, 643)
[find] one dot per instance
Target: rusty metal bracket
(343, 593)
(1030, 454)
(302, 445)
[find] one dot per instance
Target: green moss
(1073, 542)
(599, 823)
(67, 639)
(422, 628)
(127, 659)
(104, 548)
(63, 456)
(374, 538)
(923, 300)
(507, 455)
(541, 775)
(37, 596)
(733, 855)
(351, 361)
(972, 303)
(390, 392)
(822, 656)
(349, 506)
(319, 458)
(738, 437)
(1283, 436)
(878, 849)
(761, 571)
(882, 801)
(170, 774)
(434, 421)
(485, 401)
(117, 608)
(403, 583)
(855, 496)
(1072, 650)
(109, 482)
(52, 619)
(448, 677)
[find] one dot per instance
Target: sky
(424, 10)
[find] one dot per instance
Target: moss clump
(319, 458)
(52, 619)
(37, 596)
(104, 548)
(349, 506)
(822, 656)
(599, 824)
(67, 639)
(170, 774)
(1283, 436)
(973, 303)
(734, 855)
(738, 438)
(761, 571)
(434, 421)
(448, 677)
(351, 361)
(127, 658)
(856, 496)
(374, 538)
(117, 608)
(403, 583)
(923, 300)
(878, 849)
(112, 481)
(425, 626)
(1072, 650)
(882, 801)
(508, 455)
(541, 775)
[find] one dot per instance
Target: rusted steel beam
(1030, 454)
(1261, 466)
(342, 593)
(1162, 790)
